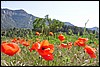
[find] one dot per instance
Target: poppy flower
(61, 37)
(69, 45)
(90, 51)
(81, 42)
(35, 46)
(46, 52)
(50, 33)
(21, 41)
(18, 40)
(25, 43)
(83, 39)
(9, 48)
(46, 49)
(63, 45)
(14, 40)
(37, 33)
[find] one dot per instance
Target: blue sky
(75, 12)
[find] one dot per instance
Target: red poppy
(37, 33)
(90, 51)
(63, 45)
(45, 47)
(18, 40)
(81, 42)
(25, 43)
(83, 39)
(21, 41)
(14, 40)
(50, 33)
(46, 50)
(69, 45)
(61, 37)
(9, 48)
(35, 46)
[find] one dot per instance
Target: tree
(39, 24)
(46, 25)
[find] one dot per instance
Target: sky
(75, 12)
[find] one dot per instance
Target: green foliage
(45, 25)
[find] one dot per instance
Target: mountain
(16, 18)
(94, 28)
(68, 24)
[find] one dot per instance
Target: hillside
(94, 28)
(16, 18)
(68, 24)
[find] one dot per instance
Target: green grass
(62, 57)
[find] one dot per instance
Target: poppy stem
(60, 42)
(48, 63)
(20, 56)
(48, 37)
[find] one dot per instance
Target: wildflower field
(55, 49)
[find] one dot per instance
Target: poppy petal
(48, 57)
(90, 51)
(10, 48)
(44, 43)
(61, 37)
(35, 46)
